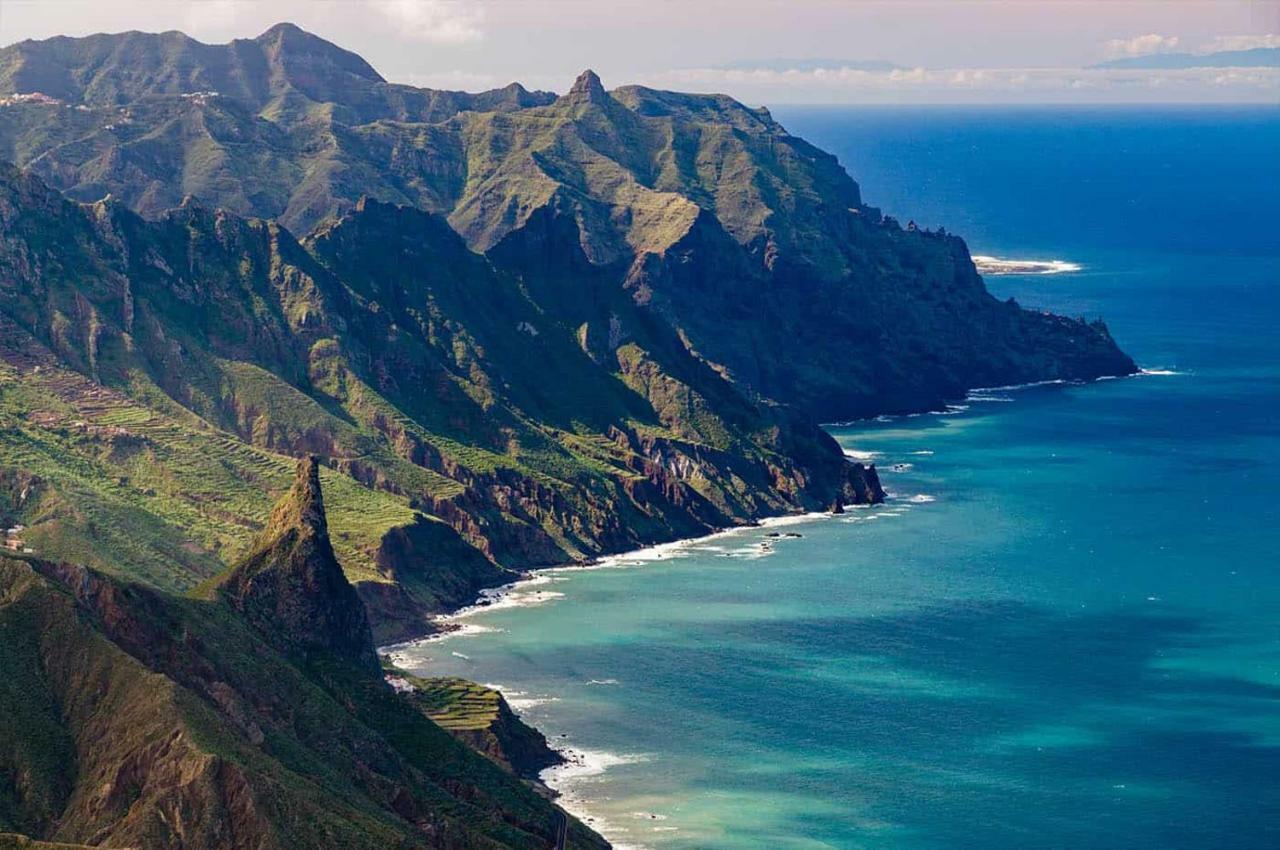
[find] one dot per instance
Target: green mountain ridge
(871, 318)
(134, 718)
(421, 381)
(702, 285)
(503, 330)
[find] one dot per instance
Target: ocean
(1062, 631)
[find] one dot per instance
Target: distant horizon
(922, 52)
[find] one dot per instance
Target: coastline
(992, 266)
(510, 595)
(577, 763)
(531, 590)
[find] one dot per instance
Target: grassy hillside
(155, 375)
(133, 717)
(173, 728)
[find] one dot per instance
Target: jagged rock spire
(291, 586)
(303, 507)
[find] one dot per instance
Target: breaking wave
(995, 266)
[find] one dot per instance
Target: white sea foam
(519, 700)
(751, 552)
(978, 395)
(521, 704)
(923, 452)
(901, 467)
(519, 594)
(583, 764)
(793, 519)
(462, 630)
(602, 681)
(863, 456)
(574, 778)
(1158, 372)
(1005, 387)
(1002, 265)
(460, 655)
(921, 499)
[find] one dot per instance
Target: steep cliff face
(753, 247)
(899, 322)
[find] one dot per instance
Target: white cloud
(1141, 45)
(216, 16)
(435, 21)
(978, 85)
(453, 80)
(1240, 42)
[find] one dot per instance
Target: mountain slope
(696, 206)
(136, 718)
(158, 370)
(702, 286)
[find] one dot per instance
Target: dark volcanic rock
(861, 485)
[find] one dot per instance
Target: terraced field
(457, 704)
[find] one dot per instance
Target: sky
(761, 51)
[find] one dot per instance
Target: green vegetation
(456, 704)
(271, 752)
(664, 274)
(155, 412)
(520, 330)
(253, 713)
(480, 718)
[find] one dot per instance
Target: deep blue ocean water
(1063, 631)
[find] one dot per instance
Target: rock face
(861, 485)
(291, 587)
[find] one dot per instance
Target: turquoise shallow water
(1063, 631)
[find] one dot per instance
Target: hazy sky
(760, 51)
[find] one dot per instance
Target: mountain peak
(291, 586)
(303, 507)
(290, 42)
(588, 84)
(281, 29)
